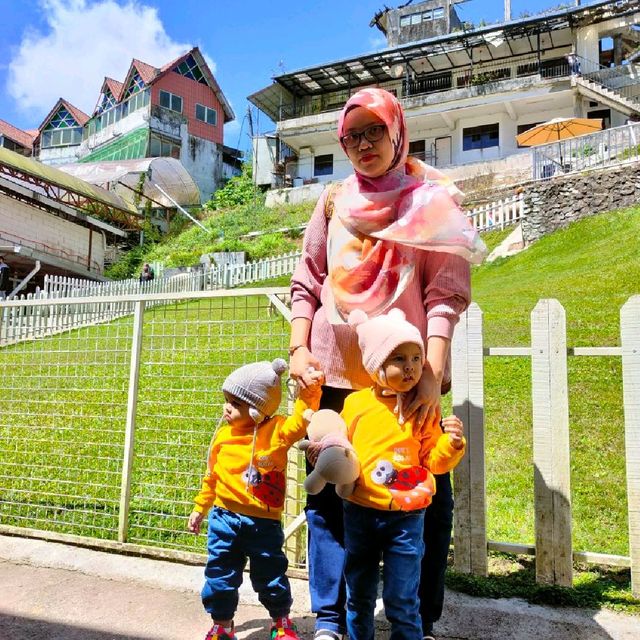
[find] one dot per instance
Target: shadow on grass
(514, 577)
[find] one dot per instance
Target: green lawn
(592, 267)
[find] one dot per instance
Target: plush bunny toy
(331, 453)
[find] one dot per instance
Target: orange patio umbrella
(558, 129)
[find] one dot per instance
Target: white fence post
(554, 557)
(467, 389)
(132, 405)
(630, 341)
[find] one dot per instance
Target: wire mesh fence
(73, 401)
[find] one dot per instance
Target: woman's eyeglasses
(373, 133)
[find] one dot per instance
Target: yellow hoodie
(397, 462)
(255, 489)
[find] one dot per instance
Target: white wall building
(467, 93)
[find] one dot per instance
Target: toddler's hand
(453, 426)
(312, 391)
(195, 520)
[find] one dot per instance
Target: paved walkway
(58, 592)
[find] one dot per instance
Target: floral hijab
(379, 223)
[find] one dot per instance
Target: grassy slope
(592, 267)
(224, 228)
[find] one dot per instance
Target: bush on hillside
(238, 190)
(128, 265)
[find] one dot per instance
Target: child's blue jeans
(396, 538)
(233, 538)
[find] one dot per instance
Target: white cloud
(85, 41)
(378, 42)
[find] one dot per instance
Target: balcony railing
(484, 74)
(622, 79)
(471, 76)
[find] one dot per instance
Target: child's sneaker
(217, 632)
(284, 628)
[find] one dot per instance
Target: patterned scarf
(379, 223)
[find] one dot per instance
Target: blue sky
(53, 48)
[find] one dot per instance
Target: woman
(390, 235)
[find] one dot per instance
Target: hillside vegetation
(234, 211)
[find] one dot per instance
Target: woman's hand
(303, 367)
(424, 401)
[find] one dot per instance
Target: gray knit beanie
(259, 385)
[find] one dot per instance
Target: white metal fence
(28, 322)
(617, 145)
(104, 429)
(108, 299)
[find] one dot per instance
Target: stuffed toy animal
(331, 453)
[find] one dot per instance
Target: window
(136, 84)
(62, 130)
(483, 137)
(423, 16)
(206, 114)
(521, 128)
(61, 137)
(162, 148)
(417, 149)
(605, 114)
(170, 101)
(106, 101)
(323, 165)
(190, 69)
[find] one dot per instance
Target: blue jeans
(233, 538)
(395, 537)
(326, 546)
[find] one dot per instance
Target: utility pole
(507, 10)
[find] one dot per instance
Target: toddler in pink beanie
(384, 516)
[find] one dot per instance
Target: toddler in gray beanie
(259, 385)
(244, 491)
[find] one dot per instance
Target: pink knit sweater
(433, 301)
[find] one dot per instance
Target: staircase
(616, 87)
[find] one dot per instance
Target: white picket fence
(498, 214)
(27, 323)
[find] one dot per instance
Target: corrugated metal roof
(68, 189)
(168, 173)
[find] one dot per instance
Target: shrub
(238, 190)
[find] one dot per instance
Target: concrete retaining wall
(50, 236)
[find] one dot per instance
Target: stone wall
(553, 204)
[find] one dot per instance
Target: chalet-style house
(467, 91)
(176, 111)
(16, 139)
